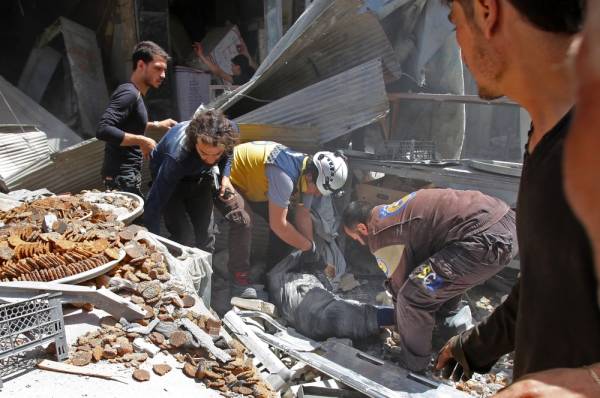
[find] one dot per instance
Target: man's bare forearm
(290, 235)
(303, 222)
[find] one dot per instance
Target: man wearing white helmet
(272, 181)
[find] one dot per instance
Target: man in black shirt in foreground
(551, 319)
(125, 121)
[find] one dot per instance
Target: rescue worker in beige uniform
(433, 245)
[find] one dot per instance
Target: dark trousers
(127, 181)
(189, 213)
(240, 239)
(442, 278)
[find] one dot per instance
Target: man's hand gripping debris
(228, 202)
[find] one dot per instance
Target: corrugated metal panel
(20, 147)
(333, 107)
(328, 38)
(27, 111)
(303, 138)
(71, 170)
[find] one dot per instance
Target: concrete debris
(180, 338)
(137, 328)
(384, 298)
(347, 282)
(485, 303)
(254, 305)
(126, 206)
(141, 375)
(142, 345)
(81, 358)
(161, 369)
(205, 340)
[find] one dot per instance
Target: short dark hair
(357, 212)
(242, 61)
(146, 51)
(556, 16)
(211, 127)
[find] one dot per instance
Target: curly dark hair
(211, 127)
(557, 16)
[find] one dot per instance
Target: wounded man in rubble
(433, 245)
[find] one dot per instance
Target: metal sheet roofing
(72, 170)
(20, 147)
(332, 107)
(327, 39)
(301, 138)
(18, 108)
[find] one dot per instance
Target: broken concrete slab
(254, 305)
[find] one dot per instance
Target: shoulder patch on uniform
(425, 276)
(394, 208)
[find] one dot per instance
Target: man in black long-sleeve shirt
(519, 48)
(125, 121)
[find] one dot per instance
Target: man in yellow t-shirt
(272, 180)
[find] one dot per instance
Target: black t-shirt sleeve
(121, 103)
(485, 343)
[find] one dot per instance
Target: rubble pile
(131, 344)
(56, 237)
(483, 385)
(238, 376)
(119, 204)
(63, 207)
(142, 261)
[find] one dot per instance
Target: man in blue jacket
(181, 167)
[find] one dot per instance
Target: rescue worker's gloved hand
(229, 204)
(452, 361)
(310, 256)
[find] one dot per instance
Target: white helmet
(333, 172)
